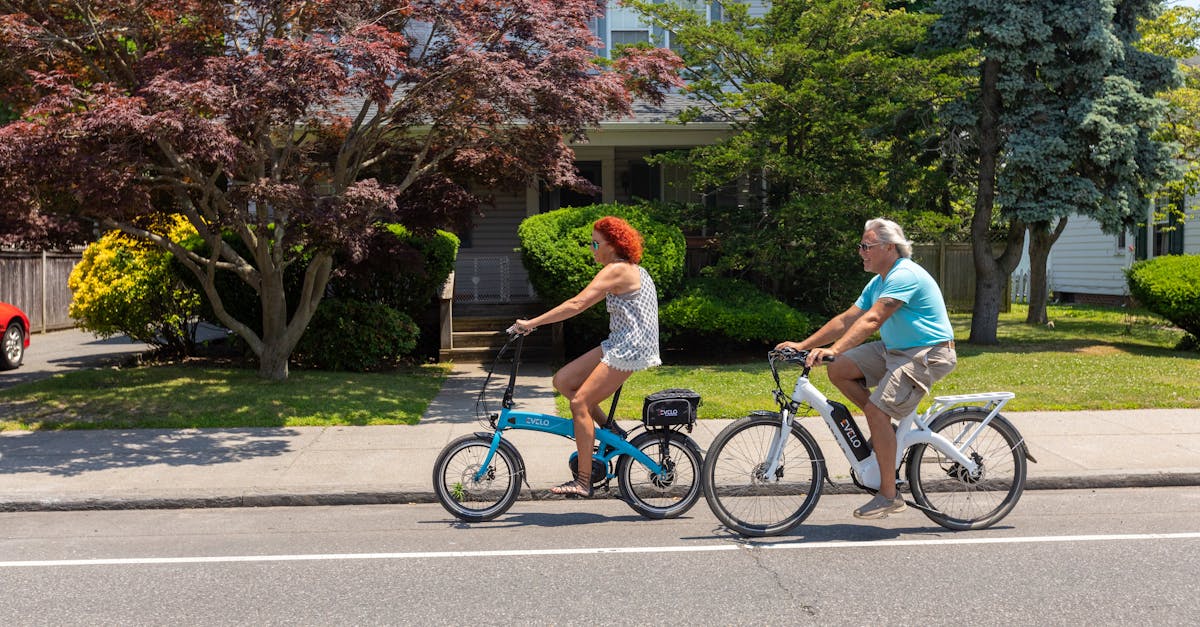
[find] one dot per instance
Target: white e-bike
(966, 463)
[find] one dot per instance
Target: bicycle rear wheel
(739, 493)
(471, 499)
(668, 495)
(953, 497)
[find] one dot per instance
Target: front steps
(478, 332)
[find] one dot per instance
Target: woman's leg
(601, 384)
(585, 382)
(570, 378)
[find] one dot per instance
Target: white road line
(749, 546)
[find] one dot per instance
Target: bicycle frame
(609, 448)
(912, 430)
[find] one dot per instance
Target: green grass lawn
(1092, 358)
(176, 396)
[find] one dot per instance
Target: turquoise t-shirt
(923, 320)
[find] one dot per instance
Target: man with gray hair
(904, 304)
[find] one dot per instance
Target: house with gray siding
(489, 266)
(1087, 265)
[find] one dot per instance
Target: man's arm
(829, 332)
(867, 324)
(861, 329)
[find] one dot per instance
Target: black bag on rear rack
(668, 408)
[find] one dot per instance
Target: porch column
(608, 177)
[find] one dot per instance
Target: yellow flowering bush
(126, 285)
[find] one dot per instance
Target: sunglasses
(595, 245)
(866, 246)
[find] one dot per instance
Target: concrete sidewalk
(131, 469)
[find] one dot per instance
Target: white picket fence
(1019, 289)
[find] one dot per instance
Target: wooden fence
(954, 268)
(37, 283)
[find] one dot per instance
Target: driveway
(70, 349)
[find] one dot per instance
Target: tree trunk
(1041, 239)
(989, 286)
(281, 335)
(273, 357)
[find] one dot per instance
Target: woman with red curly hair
(632, 343)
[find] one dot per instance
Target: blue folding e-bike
(478, 477)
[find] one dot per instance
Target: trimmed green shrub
(1170, 287)
(400, 269)
(355, 336)
(555, 250)
(124, 285)
(405, 271)
(728, 311)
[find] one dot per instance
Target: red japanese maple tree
(296, 124)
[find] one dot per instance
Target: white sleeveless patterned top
(632, 342)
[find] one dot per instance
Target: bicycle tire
(658, 497)
(474, 500)
(738, 494)
(951, 497)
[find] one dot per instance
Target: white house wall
(1086, 260)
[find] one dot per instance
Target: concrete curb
(1097, 482)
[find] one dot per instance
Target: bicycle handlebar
(517, 329)
(793, 356)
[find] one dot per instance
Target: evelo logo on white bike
(849, 430)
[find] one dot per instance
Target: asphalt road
(71, 349)
(1062, 557)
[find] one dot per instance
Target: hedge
(125, 285)
(725, 312)
(1170, 287)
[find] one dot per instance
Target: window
(1168, 236)
(557, 198)
(625, 25)
(627, 37)
(677, 184)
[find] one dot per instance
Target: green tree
(1175, 33)
(1065, 120)
(832, 106)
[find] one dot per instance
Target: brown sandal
(573, 488)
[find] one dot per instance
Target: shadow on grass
(71, 453)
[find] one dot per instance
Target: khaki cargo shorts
(901, 378)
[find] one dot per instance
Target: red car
(16, 336)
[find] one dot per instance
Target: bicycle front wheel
(948, 493)
(666, 495)
(472, 498)
(740, 493)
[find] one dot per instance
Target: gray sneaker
(880, 506)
